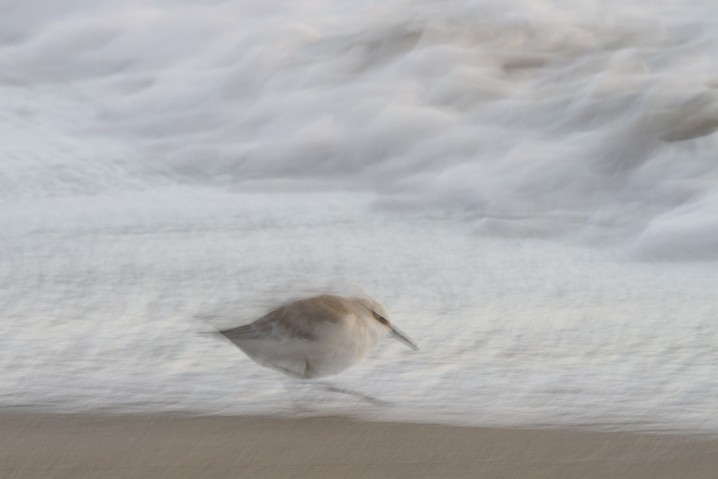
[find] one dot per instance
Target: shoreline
(153, 446)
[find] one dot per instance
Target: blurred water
(529, 187)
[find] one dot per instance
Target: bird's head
(379, 314)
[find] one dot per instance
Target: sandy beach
(57, 446)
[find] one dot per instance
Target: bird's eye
(380, 318)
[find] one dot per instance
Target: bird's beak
(400, 336)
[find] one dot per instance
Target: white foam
(551, 114)
(164, 159)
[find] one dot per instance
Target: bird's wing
(298, 320)
(255, 330)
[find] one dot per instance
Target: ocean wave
(531, 117)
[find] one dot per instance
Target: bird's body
(315, 337)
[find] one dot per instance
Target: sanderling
(317, 336)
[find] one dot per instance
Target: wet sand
(78, 447)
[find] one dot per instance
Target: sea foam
(509, 178)
(532, 118)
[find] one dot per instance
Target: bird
(316, 336)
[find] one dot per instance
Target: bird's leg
(292, 386)
(364, 397)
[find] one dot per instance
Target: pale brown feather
(298, 319)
